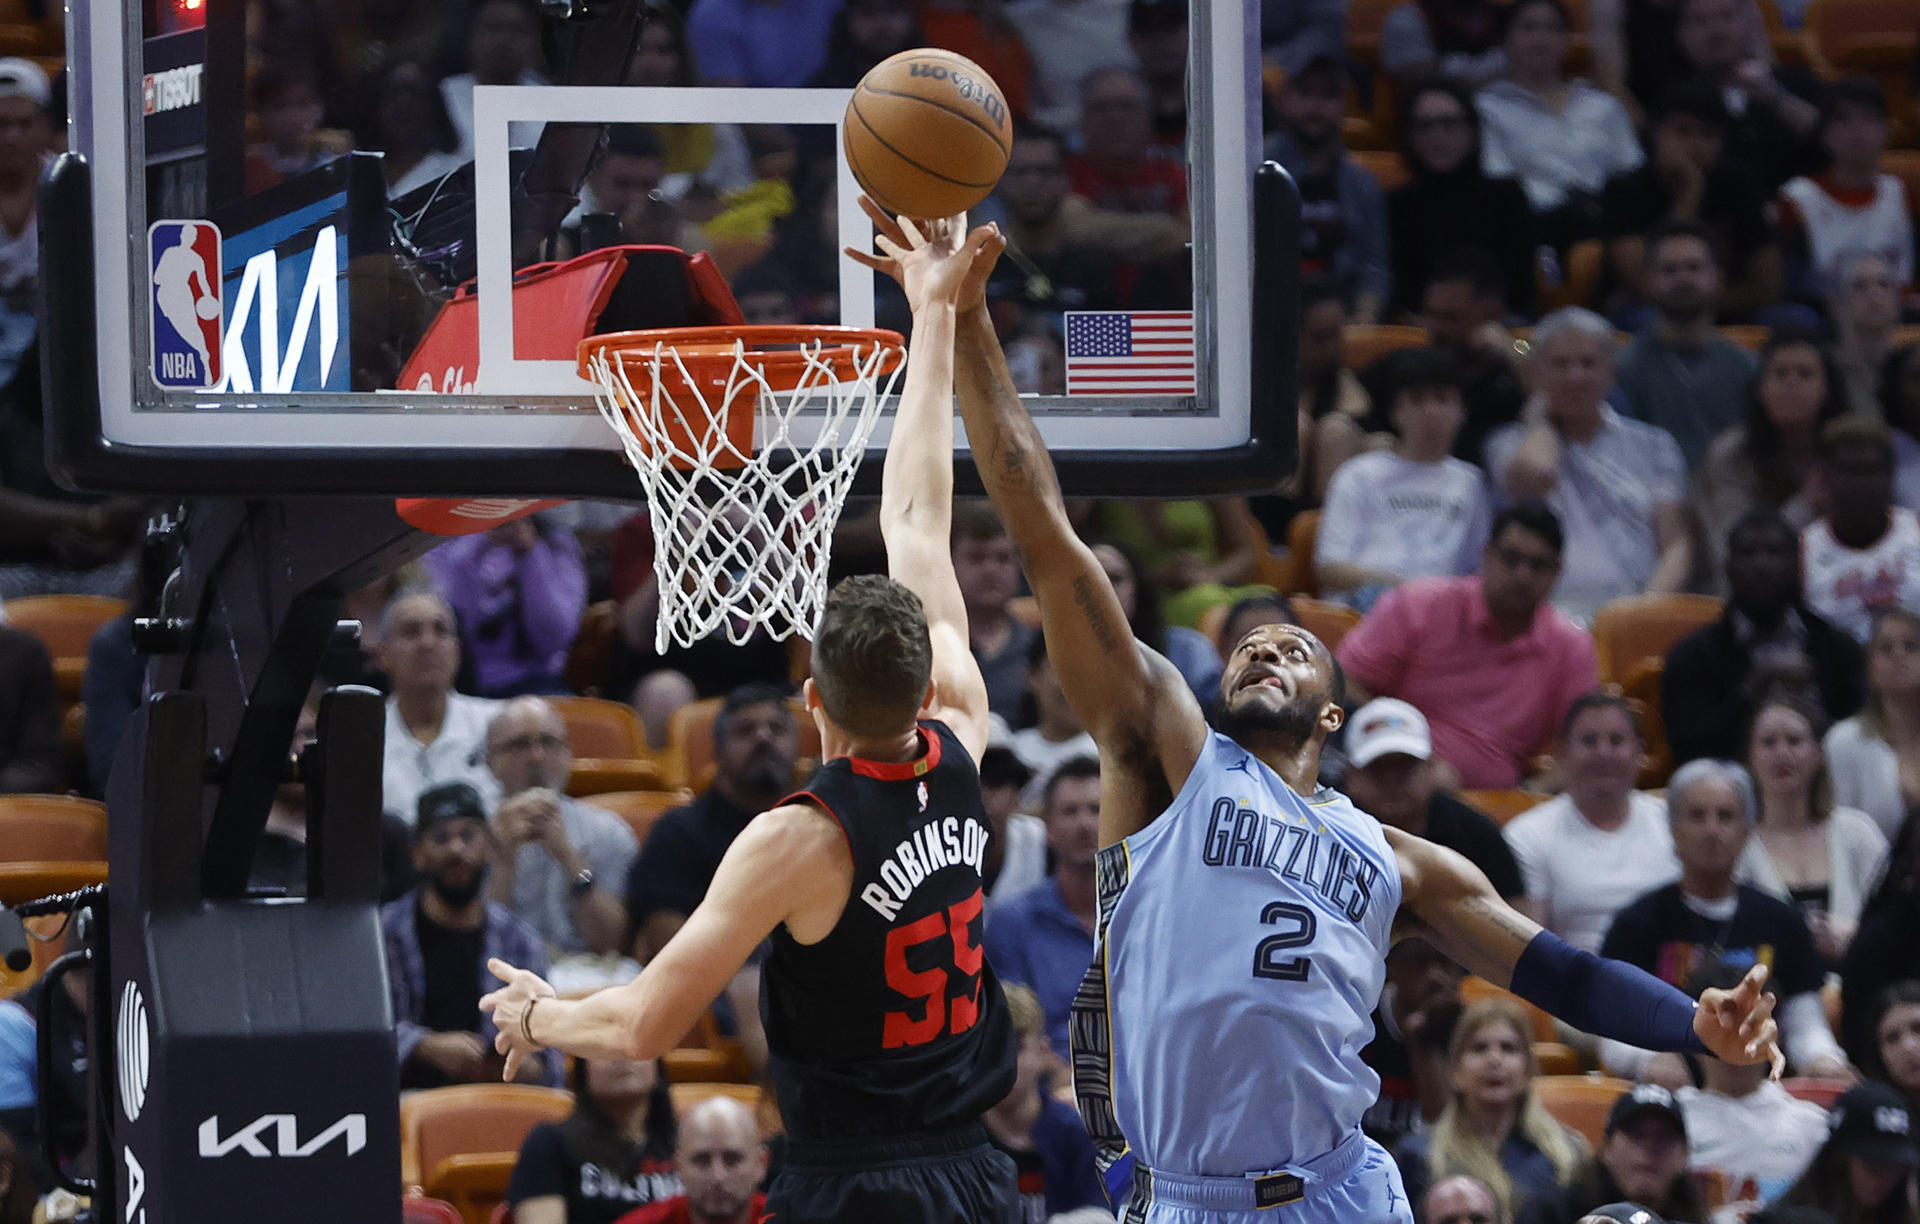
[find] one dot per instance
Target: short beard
(1291, 724)
(458, 895)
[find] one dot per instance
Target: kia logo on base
(286, 1134)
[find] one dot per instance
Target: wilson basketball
(927, 133)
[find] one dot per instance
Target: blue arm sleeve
(1607, 998)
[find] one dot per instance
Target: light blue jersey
(1241, 951)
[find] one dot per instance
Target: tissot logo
(285, 1129)
(171, 90)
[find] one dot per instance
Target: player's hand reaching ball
(1738, 1025)
(933, 260)
(509, 1006)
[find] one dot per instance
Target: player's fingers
(878, 215)
(1752, 984)
(501, 1042)
(489, 1001)
(512, 1065)
(1760, 1014)
(893, 249)
(501, 969)
(914, 237)
(871, 260)
(1777, 1060)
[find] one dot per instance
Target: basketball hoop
(743, 510)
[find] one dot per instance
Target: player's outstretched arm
(787, 863)
(1454, 906)
(1131, 700)
(916, 491)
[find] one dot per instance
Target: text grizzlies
(1239, 836)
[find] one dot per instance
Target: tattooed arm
(1450, 902)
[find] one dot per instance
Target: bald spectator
(721, 1160)
(1485, 658)
(1461, 1199)
(1619, 486)
(434, 735)
(558, 863)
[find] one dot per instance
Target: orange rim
(708, 352)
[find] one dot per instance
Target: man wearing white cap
(1393, 778)
(26, 133)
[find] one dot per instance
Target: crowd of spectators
(1554, 442)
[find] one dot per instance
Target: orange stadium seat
(1749, 336)
(1580, 1102)
(1555, 1058)
(1501, 805)
(707, 1056)
(1385, 165)
(29, 881)
(1368, 342)
(1831, 24)
(1329, 622)
(1637, 627)
(1642, 688)
(1477, 990)
(1579, 277)
(52, 828)
(1301, 533)
(1789, 47)
(592, 651)
(641, 809)
(65, 624)
(460, 1143)
(597, 775)
(600, 728)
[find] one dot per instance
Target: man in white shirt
(1618, 485)
(1749, 1140)
(1864, 556)
(1414, 511)
(434, 735)
(1589, 851)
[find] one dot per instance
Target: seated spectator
(1494, 1126)
(503, 48)
(1052, 733)
(1678, 372)
(288, 110)
(1457, 40)
(756, 748)
(1157, 30)
(1618, 485)
(1822, 857)
(1586, 853)
(1866, 1168)
(1872, 754)
(1414, 511)
(1016, 854)
(1643, 1159)
(440, 937)
(1413, 1025)
(32, 758)
(1449, 204)
(519, 591)
(1688, 179)
(1486, 659)
(1043, 938)
(1766, 641)
(863, 33)
(558, 864)
(1561, 138)
(1463, 307)
(989, 576)
(1391, 776)
(1854, 206)
(1070, 39)
(1896, 1038)
(1864, 305)
(1334, 408)
(1462, 1199)
(434, 735)
(1066, 248)
(1771, 134)
(1343, 217)
(1118, 167)
(1899, 402)
(722, 1162)
(1187, 649)
(983, 34)
(1200, 553)
(1671, 930)
(1767, 461)
(1864, 556)
(1748, 1139)
(766, 44)
(615, 1151)
(1884, 950)
(407, 121)
(1043, 1136)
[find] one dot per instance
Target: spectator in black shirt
(1884, 950)
(1895, 1058)
(1450, 204)
(612, 1154)
(1643, 1159)
(756, 746)
(1687, 178)
(1707, 917)
(1463, 305)
(1392, 776)
(1413, 1025)
(31, 757)
(1767, 640)
(1772, 129)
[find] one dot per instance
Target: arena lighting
(185, 15)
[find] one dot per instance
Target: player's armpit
(1456, 908)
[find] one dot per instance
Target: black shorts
(953, 1177)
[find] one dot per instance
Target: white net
(743, 533)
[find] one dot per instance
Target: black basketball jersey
(894, 1022)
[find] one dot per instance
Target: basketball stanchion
(742, 503)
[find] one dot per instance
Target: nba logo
(187, 308)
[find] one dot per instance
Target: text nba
(936, 844)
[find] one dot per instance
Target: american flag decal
(1130, 352)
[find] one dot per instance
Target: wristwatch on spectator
(582, 883)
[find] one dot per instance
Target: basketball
(927, 133)
(207, 307)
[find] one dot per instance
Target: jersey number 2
(1267, 959)
(930, 985)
